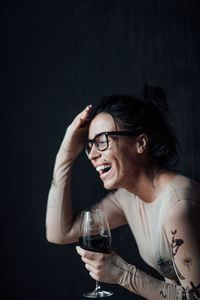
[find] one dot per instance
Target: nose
(94, 153)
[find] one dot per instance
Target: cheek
(120, 165)
(123, 158)
(127, 163)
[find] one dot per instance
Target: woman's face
(118, 165)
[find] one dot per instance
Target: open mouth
(104, 169)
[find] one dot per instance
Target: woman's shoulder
(184, 191)
(184, 187)
(183, 180)
(183, 202)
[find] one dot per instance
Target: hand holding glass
(95, 236)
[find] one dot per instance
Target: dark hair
(148, 115)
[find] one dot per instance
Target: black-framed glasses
(101, 141)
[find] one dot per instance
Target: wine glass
(95, 236)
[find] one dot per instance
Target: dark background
(57, 57)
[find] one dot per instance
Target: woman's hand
(76, 134)
(105, 267)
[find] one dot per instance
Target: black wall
(57, 57)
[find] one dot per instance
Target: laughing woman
(133, 148)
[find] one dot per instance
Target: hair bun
(155, 95)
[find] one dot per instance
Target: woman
(133, 149)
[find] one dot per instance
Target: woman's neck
(147, 187)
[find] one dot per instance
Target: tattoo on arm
(195, 290)
(187, 261)
(164, 296)
(175, 244)
(184, 296)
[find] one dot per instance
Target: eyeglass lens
(101, 143)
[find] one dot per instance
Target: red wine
(95, 243)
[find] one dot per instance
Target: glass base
(98, 293)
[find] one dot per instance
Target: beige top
(167, 232)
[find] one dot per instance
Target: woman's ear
(141, 143)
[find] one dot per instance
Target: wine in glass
(95, 236)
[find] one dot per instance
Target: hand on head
(82, 119)
(76, 134)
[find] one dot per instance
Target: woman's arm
(183, 233)
(62, 224)
(182, 229)
(111, 268)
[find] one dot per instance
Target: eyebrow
(100, 133)
(96, 135)
(118, 132)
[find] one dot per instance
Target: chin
(110, 185)
(109, 188)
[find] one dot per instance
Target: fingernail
(89, 106)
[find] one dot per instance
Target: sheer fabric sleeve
(113, 208)
(183, 233)
(182, 230)
(62, 223)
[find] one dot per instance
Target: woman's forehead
(101, 123)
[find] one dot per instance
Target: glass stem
(97, 286)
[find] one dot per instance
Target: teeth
(103, 167)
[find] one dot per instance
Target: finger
(85, 124)
(90, 262)
(88, 108)
(90, 268)
(94, 276)
(85, 253)
(86, 260)
(89, 254)
(82, 117)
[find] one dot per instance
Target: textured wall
(57, 57)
